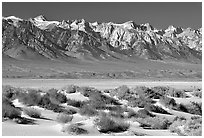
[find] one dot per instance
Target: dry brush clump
(197, 93)
(75, 129)
(140, 102)
(64, 118)
(136, 97)
(146, 92)
(192, 107)
(97, 101)
(88, 110)
(156, 109)
(167, 102)
(168, 91)
(69, 111)
(9, 110)
(31, 97)
(71, 89)
(75, 103)
(143, 113)
(86, 91)
(32, 112)
(154, 122)
(11, 92)
(187, 127)
(56, 97)
(120, 92)
(107, 124)
(47, 103)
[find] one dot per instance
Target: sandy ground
(42, 127)
(97, 83)
(187, 100)
(49, 127)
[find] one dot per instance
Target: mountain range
(81, 42)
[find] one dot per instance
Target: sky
(158, 14)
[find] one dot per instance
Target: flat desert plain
(97, 83)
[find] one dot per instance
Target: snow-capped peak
(170, 28)
(40, 18)
(148, 26)
(42, 23)
(94, 23)
(12, 18)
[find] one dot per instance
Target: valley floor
(98, 83)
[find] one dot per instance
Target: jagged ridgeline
(37, 37)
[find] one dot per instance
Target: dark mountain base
(139, 69)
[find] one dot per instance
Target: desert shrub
(71, 88)
(146, 92)
(31, 98)
(9, 110)
(180, 107)
(120, 92)
(23, 120)
(161, 90)
(149, 93)
(178, 94)
(156, 109)
(187, 127)
(88, 110)
(168, 102)
(10, 92)
(45, 102)
(32, 112)
(69, 111)
(56, 97)
(168, 91)
(54, 107)
(107, 90)
(116, 108)
(117, 113)
(197, 94)
(194, 108)
(98, 100)
(143, 113)
(86, 91)
(107, 124)
(101, 102)
(64, 118)
(75, 129)
(75, 103)
(193, 127)
(98, 97)
(140, 102)
(154, 122)
(131, 113)
(106, 99)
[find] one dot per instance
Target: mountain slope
(74, 48)
(78, 38)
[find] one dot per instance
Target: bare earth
(97, 83)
